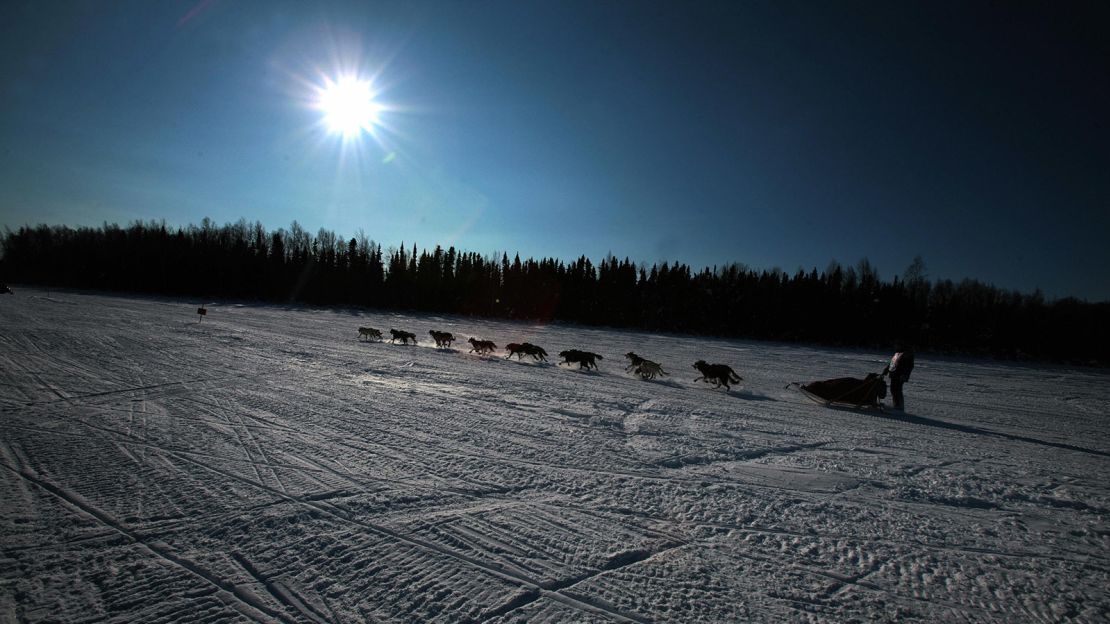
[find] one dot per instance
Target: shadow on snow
(940, 424)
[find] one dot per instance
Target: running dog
(443, 339)
(369, 333)
(643, 367)
(481, 347)
(584, 359)
(650, 370)
(403, 336)
(536, 352)
(717, 374)
(635, 360)
(527, 348)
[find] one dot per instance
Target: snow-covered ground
(266, 465)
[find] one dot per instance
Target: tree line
(841, 305)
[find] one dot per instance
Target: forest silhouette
(842, 305)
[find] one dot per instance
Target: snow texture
(265, 464)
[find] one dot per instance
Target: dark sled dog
(369, 333)
(584, 359)
(527, 348)
(481, 347)
(403, 336)
(717, 374)
(535, 351)
(443, 339)
(643, 367)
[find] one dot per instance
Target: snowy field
(266, 465)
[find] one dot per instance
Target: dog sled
(847, 392)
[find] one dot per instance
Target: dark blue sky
(774, 134)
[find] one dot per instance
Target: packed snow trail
(267, 465)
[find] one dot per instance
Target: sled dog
(481, 347)
(443, 339)
(643, 367)
(584, 359)
(717, 374)
(403, 336)
(523, 349)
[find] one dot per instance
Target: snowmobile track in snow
(266, 465)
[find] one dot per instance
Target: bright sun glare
(348, 106)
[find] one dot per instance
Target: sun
(348, 106)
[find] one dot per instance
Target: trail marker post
(201, 313)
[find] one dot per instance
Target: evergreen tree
(841, 305)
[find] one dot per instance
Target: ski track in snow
(266, 465)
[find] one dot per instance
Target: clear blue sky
(769, 133)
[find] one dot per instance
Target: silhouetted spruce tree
(842, 305)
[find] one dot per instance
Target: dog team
(716, 374)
